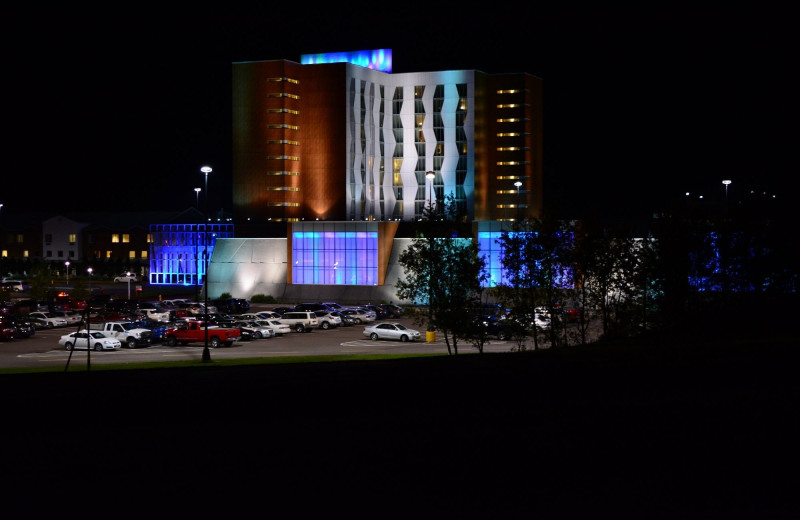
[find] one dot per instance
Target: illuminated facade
(179, 252)
(338, 141)
(337, 147)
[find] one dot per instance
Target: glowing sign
(379, 59)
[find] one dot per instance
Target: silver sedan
(395, 331)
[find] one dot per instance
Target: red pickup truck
(195, 331)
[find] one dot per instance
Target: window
(144, 254)
(49, 254)
(4, 253)
(131, 254)
(60, 254)
(126, 238)
(149, 238)
(20, 238)
(115, 238)
(335, 255)
(108, 254)
(73, 238)
(48, 239)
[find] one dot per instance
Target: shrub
(262, 298)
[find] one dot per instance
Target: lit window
(144, 254)
(115, 238)
(20, 238)
(108, 254)
(4, 254)
(324, 255)
(73, 238)
(126, 238)
(131, 254)
(25, 253)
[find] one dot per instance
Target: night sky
(121, 111)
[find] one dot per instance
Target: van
(14, 285)
(300, 321)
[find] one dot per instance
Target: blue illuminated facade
(179, 253)
(378, 59)
(335, 254)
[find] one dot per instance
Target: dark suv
(231, 305)
(312, 307)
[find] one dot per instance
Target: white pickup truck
(126, 332)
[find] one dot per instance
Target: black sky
(120, 111)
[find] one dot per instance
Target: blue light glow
(379, 59)
(335, 257)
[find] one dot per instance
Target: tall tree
(443, 268)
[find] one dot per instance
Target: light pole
(197, 250)
(518, 184)
(67, 264)
(88, 347)
(206, 353)
(430, 176)
(128, 276)
(726, 182)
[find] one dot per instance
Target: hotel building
(340, 156)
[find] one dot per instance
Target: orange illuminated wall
(508, 146)
(288, 141)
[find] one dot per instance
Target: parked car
(328, 319)
(380, 313)
(258, 330)
(347, 319)
(392, 310)
(84, 339)
(231, 305)
(359, 314)
(502, 329)
(8, 330)
(25, 326)
(318, 306)
(126, 277)
(393, 331)
(279, 328)
(15, 285)
(72, 317)
(268, 315)
(49, 319)
(300, 321)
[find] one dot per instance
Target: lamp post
(67, 264)
(128, 276)
(88, 347)
(518, 184)
(430, 176)
(197, 250)
(726, 182)
(206, 353)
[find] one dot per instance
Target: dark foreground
(647, 431)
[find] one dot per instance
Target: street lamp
(197, 250)
(726, 182)
(518, 184)
(67, 264)
(88, 349)
(128, 276)
(430, 176)
(206, 353)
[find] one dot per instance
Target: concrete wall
(247, 266)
